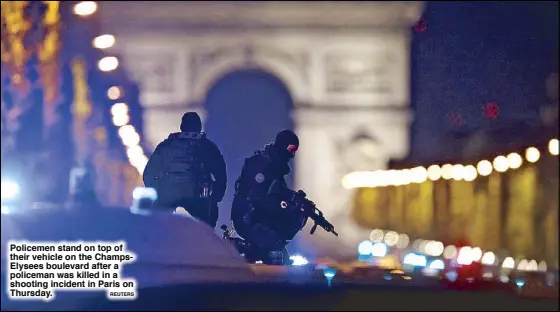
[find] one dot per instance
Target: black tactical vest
(184, 167)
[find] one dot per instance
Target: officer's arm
(255, 177)
(153, 167)
(218, 168)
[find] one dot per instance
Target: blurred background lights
(391, 238)
(469, 173)
(488, 258)
(379, 250)
(121, 120)
(299, 260)
(419, 174)
(434, 248)
(403, 241)
(129, 135)
(532, 266)
(9, 190)
(476, 254)
(416, 243)
(451, 276)
(508, 263)
(484, 167)
(500, 164)
(434, 172)
(458, 172)
(144, 192)
(108, 63)
(523, 265)
(532, 154)
(104, 41)
(447, 171)
(553, 147)
(514, 160)
(376, 235)
(365, 248)
(437, 264)
(131, 139)
(465, 256)
(415, 260)
(449, 252)
(119, 109)
(114, 93)
(85, 8)
(126, 130)
(542, 266)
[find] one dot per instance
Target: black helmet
(287, 144)
(191, 122)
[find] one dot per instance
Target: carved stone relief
(250, 55)
(154, 70)
(360, 153)
(358, 73)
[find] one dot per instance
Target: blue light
(144, 193)
(387, 277)
(415, 260)
(365, 248)
(437, 264)
(10, 190)
(298, 260)
(519, 283)
(379, 250)
(329, 273)
(451, 276)
(6, 209)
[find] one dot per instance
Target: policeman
(267, 221)
(188, 170)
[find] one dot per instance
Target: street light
(104, 41)
(85, 8)
(108, 63)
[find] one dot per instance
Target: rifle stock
(304, 205)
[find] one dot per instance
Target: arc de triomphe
(346, 65)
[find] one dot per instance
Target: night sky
(473, 53)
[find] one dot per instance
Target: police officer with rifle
(265, 212)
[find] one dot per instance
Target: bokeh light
(514, 160)
(104, 41)
(484, 167)
(532, 154)
(85, 8)
(553, 147)
(108, 63)
(500, 164)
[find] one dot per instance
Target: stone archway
(244, 110)
(346, 65)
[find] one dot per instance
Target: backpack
(183, 168)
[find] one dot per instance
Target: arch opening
(245, 109)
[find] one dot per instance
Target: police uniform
(266, 221)
(180, 167)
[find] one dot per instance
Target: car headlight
(9, 191)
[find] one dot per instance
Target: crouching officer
(267, 220)
(188, 170)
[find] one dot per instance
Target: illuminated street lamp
(108, 63)
(104, 41)
(85, 8)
